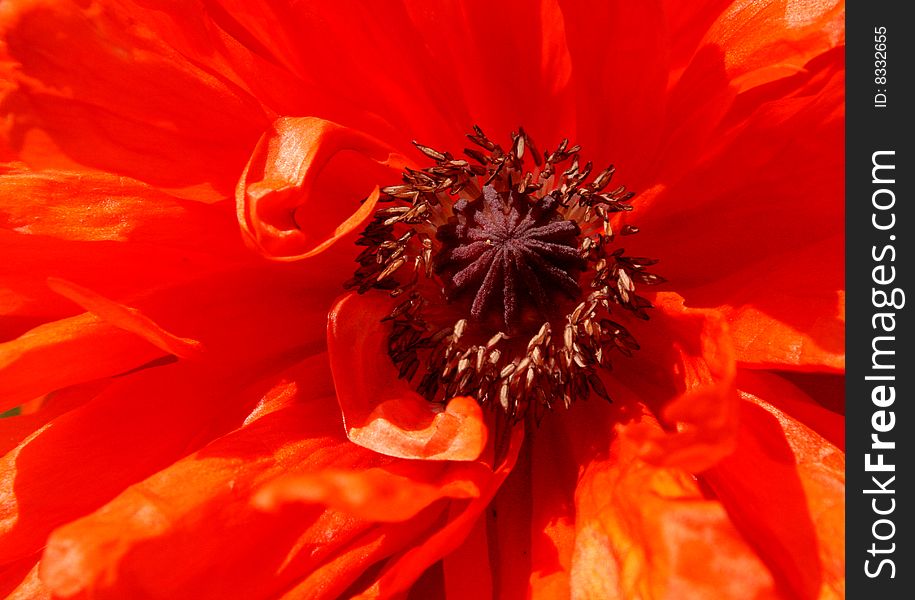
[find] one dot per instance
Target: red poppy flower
(186, 421)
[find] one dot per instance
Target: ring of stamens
(456, 238)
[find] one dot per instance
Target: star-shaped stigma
(509, 252)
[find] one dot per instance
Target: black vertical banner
(880, 436)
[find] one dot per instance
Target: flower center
(509, 252)
(492, 259)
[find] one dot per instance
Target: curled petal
(381, 411)
(286, 209)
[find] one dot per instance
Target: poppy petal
(227, 313)
(392, 494)
(113, 334)
(619, 101)
(284, 211)
(79, 97)
(784, 489)
(28, 301)
(696, 104)
(93, 206)
(361, 555)
(534, 511)
(466, 559)
(465, 37)
(151, 520)
(814, 338)
(86, 225)
(18, 575)
(554, 475)
(30, 588)
(769, 40)
(647, 531)
(319, 549)
(403, 569)
(381, 411)
(781, 182)
(508, 528)
(826, 389)
(48, 408)
(123, 435)
(377, 80)
(797, 402)
(786, 213)
(410, 59)
(82, 348)
(688, 23)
